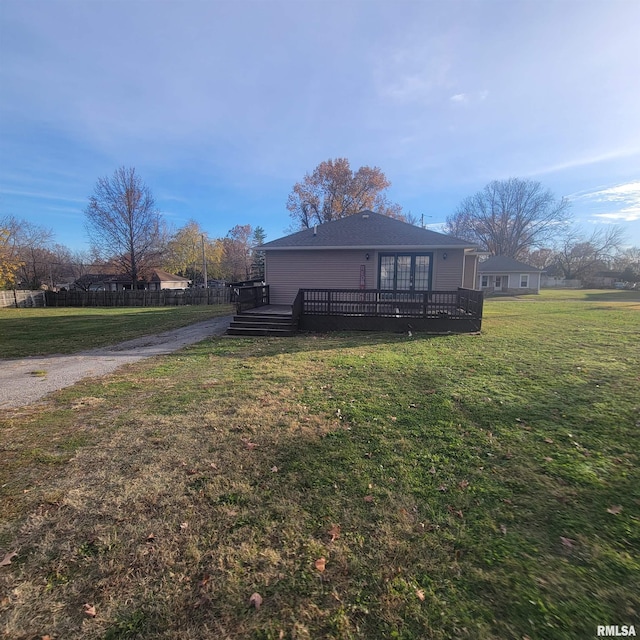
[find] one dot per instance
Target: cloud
(621, 202)
(585, 161)
(469, 98)
(459, 98)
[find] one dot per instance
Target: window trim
(524, 277)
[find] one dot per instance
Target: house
(367, 251)
(157, 280)
(162, 280)
(502, 275)
(365, 272)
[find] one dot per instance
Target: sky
(222, 106)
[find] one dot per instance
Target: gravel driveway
(19, 387)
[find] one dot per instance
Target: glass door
(405, 272)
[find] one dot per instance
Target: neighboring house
(162, 280)
(502, 275)
(118, 282)
(367, 251)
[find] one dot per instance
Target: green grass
(473, 487)
(37, 332)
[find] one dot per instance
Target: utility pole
(204, 265)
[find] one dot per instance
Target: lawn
(37, 331)
(344, 486)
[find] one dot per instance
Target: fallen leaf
(90, 610)
(548, 440)
(368, 498)
(442, 488)
(503, 528)
(614, 510)
(432, 471)
(463, 484)
(184, 525)
(393, 418)
(47, 637)
(420, 594)
(548, 459)
(6, 561)
(567, 542)
(250, 445)
(191, 472)
(202, 601)
(150, 538)
(334, 532)
(205, 581)
(274, 469)
(320, 564)
(255, 600)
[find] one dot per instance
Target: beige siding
(288, 271)
(447, 273)
(470, 268)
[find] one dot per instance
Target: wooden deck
(321, 310)
(270, 310)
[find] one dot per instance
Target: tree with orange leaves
(334, 191)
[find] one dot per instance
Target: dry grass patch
(364, 486)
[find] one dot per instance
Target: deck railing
(463, 303)
(250, 297)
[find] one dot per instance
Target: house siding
(469, 273)
(447, 272)
(288, 271)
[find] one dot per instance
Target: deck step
(258, 331)
(266, 324)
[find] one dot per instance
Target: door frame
(412, 255)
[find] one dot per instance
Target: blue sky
(222, 106)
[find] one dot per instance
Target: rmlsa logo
(615, 631)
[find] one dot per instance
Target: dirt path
(20, 387)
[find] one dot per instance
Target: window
(524, 281)
(485, 281)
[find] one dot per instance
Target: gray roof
(366, 230)
(495, 264)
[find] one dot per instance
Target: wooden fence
(19, 298)
(136, 298)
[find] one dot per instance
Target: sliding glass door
(405, 271)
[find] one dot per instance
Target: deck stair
(265, 324)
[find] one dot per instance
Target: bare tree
(334, 191)
(237, 252)
(123, 223)
(509, 217)
(580, 256)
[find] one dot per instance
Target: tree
(509, 217)
(579, 256)
(628, 263)
(237, 253)
(183, 255)
(123, 223)
(334, 191)
(9, 259)
(257, 257)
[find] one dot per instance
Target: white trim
(377, 247)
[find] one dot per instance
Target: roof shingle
(366, 230)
